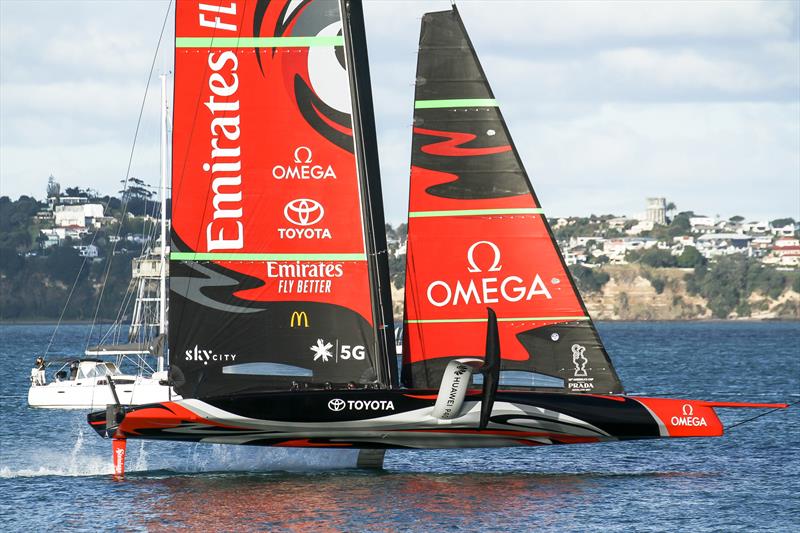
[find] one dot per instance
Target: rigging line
(64, 309)
(760, 415)
(128, 172)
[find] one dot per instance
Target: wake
(159, 458)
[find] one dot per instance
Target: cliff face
(634, 292)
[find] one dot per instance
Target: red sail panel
(478, 238)
(267, 205)
(506, 262)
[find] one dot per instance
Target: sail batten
(478, 237)
(257, 42)
(219, 256)
(456, 102)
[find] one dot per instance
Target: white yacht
(128, 366)
(84, 383)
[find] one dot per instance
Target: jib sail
(478, 238)
(271, 286)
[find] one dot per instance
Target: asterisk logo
(322, 350)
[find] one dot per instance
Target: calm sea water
(54, 470)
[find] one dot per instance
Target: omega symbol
(299, 151)
(471, 259)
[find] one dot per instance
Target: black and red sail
(270, 282)
(478, 238)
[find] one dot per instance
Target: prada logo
(299, 319)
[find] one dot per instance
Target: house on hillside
(784, 231)
(615, 249)
(82, 215)
(703, 224)
(90, 250)
(785, 253)
(756, 228)
(717, 244)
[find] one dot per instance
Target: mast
(369, 167)
(162, 292)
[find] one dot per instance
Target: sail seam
(191, 256)
(477, 212)
(507, 319)
(258, 42)
(458, 102)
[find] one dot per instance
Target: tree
(64, 264)
(10, 261)
(670, 208)
(736, 219)
(691, 258)
(588, 279)
(136, 194)
(680, 224)
(390, 232)
(402, 231)
(136, 188)
(76, 191)
(781, 222)
(653, 258)
(729, 282)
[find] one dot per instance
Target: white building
(757, 228)
(583, 241)
(784, 242)
(571, 258)
(616, 249)
(89, 250)
(617, 222)
(642, 226)
(784, 256)
(717, 244)
(78, 215)
(703, 224)
(785, 231)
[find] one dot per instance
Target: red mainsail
(269, 259)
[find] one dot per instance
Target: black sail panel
(478, 237)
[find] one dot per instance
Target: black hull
(402, 419)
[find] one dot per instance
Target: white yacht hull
(88, 394)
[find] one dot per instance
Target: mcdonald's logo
(299, 320)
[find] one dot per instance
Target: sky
(608, 102)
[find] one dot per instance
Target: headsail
(271, 286)
(478, 237)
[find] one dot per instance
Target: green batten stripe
(518, 319)
(257, 42)
(210, 256)
(471, 212)
(462, 102)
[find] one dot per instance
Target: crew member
(37, 372)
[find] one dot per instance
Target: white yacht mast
(162, 310)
